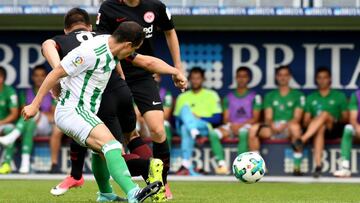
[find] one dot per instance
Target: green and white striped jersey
(89, 67)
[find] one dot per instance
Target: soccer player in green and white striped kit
(84, 74)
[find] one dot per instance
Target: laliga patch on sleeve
(78, 61)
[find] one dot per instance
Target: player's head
(77, 18)
(323, 77)
(2, 75)
(196, 78)
(38, 75)
(283, 75)
(129, 36)
(243, 75)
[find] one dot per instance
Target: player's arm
(13, 115)
(344, 109)
(298, 113)
(226, 113)
(50, 81)
(51, 53)
(173, 44)
(268, 116)
(257, 106)
(156, 65)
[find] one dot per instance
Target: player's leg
(15, 133)
(147, 99)
(107, 114)
(319, 141)
(27, 145)
(346, 146)
(314, 126)
(94, 134)
(295, 134)
(9, 151)
(75, 179)
(257, 132)
(150, 170)
(55, 144)
(216, 147)
(187, 146)
(126, 115)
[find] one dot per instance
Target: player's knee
(111, 145)
(294, 126)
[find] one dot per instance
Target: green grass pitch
(38, 191)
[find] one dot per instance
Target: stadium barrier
(277, 155)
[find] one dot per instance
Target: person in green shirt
(283, 113)
(241, 109)
(196, 112)
(8, 103)
(351, 130)
(41, 125)
(325, 115)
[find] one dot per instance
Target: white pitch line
(266, 179)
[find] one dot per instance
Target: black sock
(139, 147)
(162, 151)
(138, 167)
(77, 156)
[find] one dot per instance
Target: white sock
(186, 163)
(11, 137)
(194, 132)
(25, 160)
(221, 163)
(345, 164)
(218, 133)
(297, 155)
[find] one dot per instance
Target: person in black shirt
(152, 15)
(77, 31)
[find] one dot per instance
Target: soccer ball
(249, 167)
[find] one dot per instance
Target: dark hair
(322, 69)
(243, 68)
(197, 69)
(129, 31)
(75, 16)
(39, 67)
(280, 68)
(3, 72)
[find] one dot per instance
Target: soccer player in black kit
(77, 25)
(152, 15)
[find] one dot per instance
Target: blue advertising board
(221, 53)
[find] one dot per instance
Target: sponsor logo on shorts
(155, 103)
(149, 17)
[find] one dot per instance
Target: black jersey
(152, 15)
(68, 42)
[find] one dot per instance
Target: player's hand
(29, 111)
(56, 91)
(180, 81)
